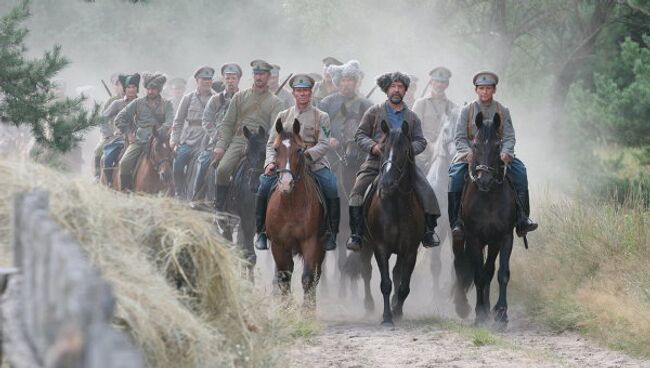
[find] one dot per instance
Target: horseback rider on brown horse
(369, 136)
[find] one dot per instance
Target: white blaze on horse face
(285, 177)
(390, 160)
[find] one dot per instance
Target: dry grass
(143, 244)
(588, 270)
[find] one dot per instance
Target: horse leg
(397, 280)
(366, 273)
(406, 270)
(386, 285)
(501, 308)
(464, 277)
(341, 255)
(436, 266)
(245, 241)
(313, 259)
(475, 249)
(283, 269)
(488, 271)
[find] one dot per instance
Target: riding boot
(524, 223)
(126, 183)
(356, 228)
(332, 222)
(220, 197)
(108, 174)
(453, 209)
(430, 238)
(98, 164)
(260, 219)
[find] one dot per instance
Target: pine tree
(26, 85)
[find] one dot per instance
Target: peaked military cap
(204, 72)
(231, 68)
(301, 81)
(485, 79)
(331, 61)
(440, 74)
(261, 66)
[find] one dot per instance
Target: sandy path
(425, 343)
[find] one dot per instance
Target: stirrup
(435, 241)
(261, 241)
(330, 241)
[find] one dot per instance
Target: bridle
(473, 171)
(295, 177)
(402, 170)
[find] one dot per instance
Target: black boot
(126, 183)
(430, 239)
(453, 209)
(108, 174)
(332, 223)
(260, 220)
(220, 197)
(524, 223)
(356, 228)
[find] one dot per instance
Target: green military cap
(331, 61)
(204, 72)
(231, 68)
(276, 70)
(301, 81)
(440, 74)
(485, 79)
(261, 66)
(133, 79)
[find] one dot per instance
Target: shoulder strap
(470, 114)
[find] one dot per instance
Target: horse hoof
(388, 324)
(500, 326)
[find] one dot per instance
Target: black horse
(241, 198)
(395, 218)
(489, 213)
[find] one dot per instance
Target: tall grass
(143, 245)
(588, 270)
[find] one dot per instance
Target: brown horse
(395, 218)
(294, 214)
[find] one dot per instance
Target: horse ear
(247, 133)
(384, 127)
(479, 120)
(261, 131)
(496, 122)
(344, 110)
(405, 128)
(296, 127)
(278, 126)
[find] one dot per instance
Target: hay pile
(142, 245)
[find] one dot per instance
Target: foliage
(27, 89)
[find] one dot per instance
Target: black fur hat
(384, 81)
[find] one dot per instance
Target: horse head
(484, 169)
(290, 156)
(397, 159)
(255, 155)
(161, 155)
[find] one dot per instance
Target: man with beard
(314, 125)
(111, 144)
(274, 84)
(252, 108)
(187, 130)
(435, 111)
(369, 135)
(325, 87)
(213, 115)
(340, 105)
(485, 86)
(137, 121)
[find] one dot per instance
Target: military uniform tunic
(434, 112)
(187, 127)
(214, 113)
(248, 108)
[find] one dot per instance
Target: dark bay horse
(395, 218)
(489, 213)
(241, 199)
(293, 215)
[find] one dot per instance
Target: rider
(112, 144)
(137, 121)
(314, 130)
(485, 84)
(326, 86)
(369, 136)
(253, 107)
(434, 110)
(187, 131)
